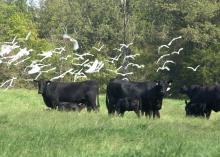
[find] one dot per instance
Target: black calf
(128, 104)
(68, 106)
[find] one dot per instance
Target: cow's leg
(55, 103)
(208, 113)
(122, 113)
(112, 106)
(150, 113)
(142, 113)
(156, 114)
(91, 99)
(89, 108)
(138, 113)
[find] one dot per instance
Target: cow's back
(72, 91)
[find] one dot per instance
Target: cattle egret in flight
(194, 69)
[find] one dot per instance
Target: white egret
(161, 57)
(177, 52)
(194, 69)
(112, 60)
(98, 49)
(174, 40)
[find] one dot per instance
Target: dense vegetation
(28, 129)
(146, 23)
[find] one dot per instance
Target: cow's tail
(98, 105)
(106, 98)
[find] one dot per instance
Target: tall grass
(28, 129)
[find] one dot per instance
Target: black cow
(54, 93)
(195, 109)
(190, 91)
(69, 106)
(150, 94)
(207, 96)
(153, 98)
(128, 104)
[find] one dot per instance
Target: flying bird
(41, 72)
(174, 40)
(59, 50)
(112, 60)
(20, 54)
(81, 64)
(169, 44)
(62, 75)
(134, 65)
(160, 47)
(131, 57)
(28, 35)
(165, 67)
(98, 49)
(127, 46)
(177, 52)
(65, 58)
(194, 69)
(82, 56)
(161, 57)
(118, 49)
(96, 67)
(74, 41)
(115, 71)
(125, 74)
(10, 81)
(169, 61)
(6, 49)
(48, 54)
(36, 68)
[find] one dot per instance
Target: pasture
(28, 129)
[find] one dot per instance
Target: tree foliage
(149, 24)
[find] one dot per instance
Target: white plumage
(6, 49)
(134, 65)
(20, 54)
(10, 81)
(160, 47)
(165, 67)
(161, 57)
(98, 49)
(112, 60)
(96, 67)
(174, 40)
(82, 56)
(177, 52)
(194, 69)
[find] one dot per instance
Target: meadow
(28, 129)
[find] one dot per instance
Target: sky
(36, 2)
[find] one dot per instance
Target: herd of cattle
(144, 98)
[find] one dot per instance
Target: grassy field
(28, 129)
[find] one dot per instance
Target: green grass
(28, 129)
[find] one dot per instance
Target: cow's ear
(157, 82)
(170, 82)
(48, 82)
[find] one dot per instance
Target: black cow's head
(163, 87)
(42, 85)
(194, 109)
(183, 90)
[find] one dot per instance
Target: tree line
(93, 23)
